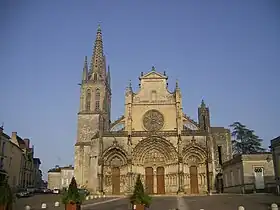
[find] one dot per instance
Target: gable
(153, 75)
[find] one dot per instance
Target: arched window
(88, 99)
(97, 95)
(97, 100)
(97, 105)
(94, 77)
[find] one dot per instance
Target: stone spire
(85, 70)
(98, 58)
(109, 76)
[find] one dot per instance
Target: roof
(247, 157)
(54, 170)
(36, 160)
(275, 142)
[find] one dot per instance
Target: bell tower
(94, 112)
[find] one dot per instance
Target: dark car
(85, 192)
(23, 194)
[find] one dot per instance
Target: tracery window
(97, 106)
(94, 77)
(97, 100)
(88, 99)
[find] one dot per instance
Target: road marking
(101, 202)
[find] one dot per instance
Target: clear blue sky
(227, 52)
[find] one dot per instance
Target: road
(214, 202)
(160, 203)
(231, 202)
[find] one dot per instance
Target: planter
(140, 207)
(70, 206)
(3, 207)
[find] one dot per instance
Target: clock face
(153, 120)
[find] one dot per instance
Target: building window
(94, 77)
(97, 105)
(220, 155)
(1, 162)
(88, 99)
(154, 95)
(97, 95)
(10, 163)
(231, 178)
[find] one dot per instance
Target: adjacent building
(60, 177)
(249, 173)
(37, 173)
(153, 138)
(17, 160)
(11, 159)
(275, 149)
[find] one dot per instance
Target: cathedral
(154, 137)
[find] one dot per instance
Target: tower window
(88, 99)
(97, 105)
(97, 95)
(220, 155)
(94, 77)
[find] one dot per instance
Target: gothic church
(153, 138)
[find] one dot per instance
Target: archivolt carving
(194, 154)
(162, 150)
(114, 154)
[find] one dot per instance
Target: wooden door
(160, 180)
(194, 180)
(149, 182)
(116, 180)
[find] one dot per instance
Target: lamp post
(207, 156)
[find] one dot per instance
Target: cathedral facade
(153, 138)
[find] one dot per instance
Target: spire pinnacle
(85, 70)
(203, 105)
(177, 84)
(98, 58)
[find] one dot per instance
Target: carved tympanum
(153, 120)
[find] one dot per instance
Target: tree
(245, 140)
(139, 196)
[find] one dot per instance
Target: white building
(60, 177)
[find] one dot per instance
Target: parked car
(46, 191)
(23, 194)
(56, 191)
(84, 192)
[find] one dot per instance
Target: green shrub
(72, 194)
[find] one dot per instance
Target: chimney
(14, 138)
(27, 142)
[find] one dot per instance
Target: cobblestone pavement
(36, 201)
(231, 202)
(158, 203)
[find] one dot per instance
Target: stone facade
(16, 158)
(154, 138)
(275, 148)
(249, 173)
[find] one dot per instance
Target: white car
(56, 191)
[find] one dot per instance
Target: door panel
(160, 180)
(149, 182)
(194, 180)
(116, 180)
